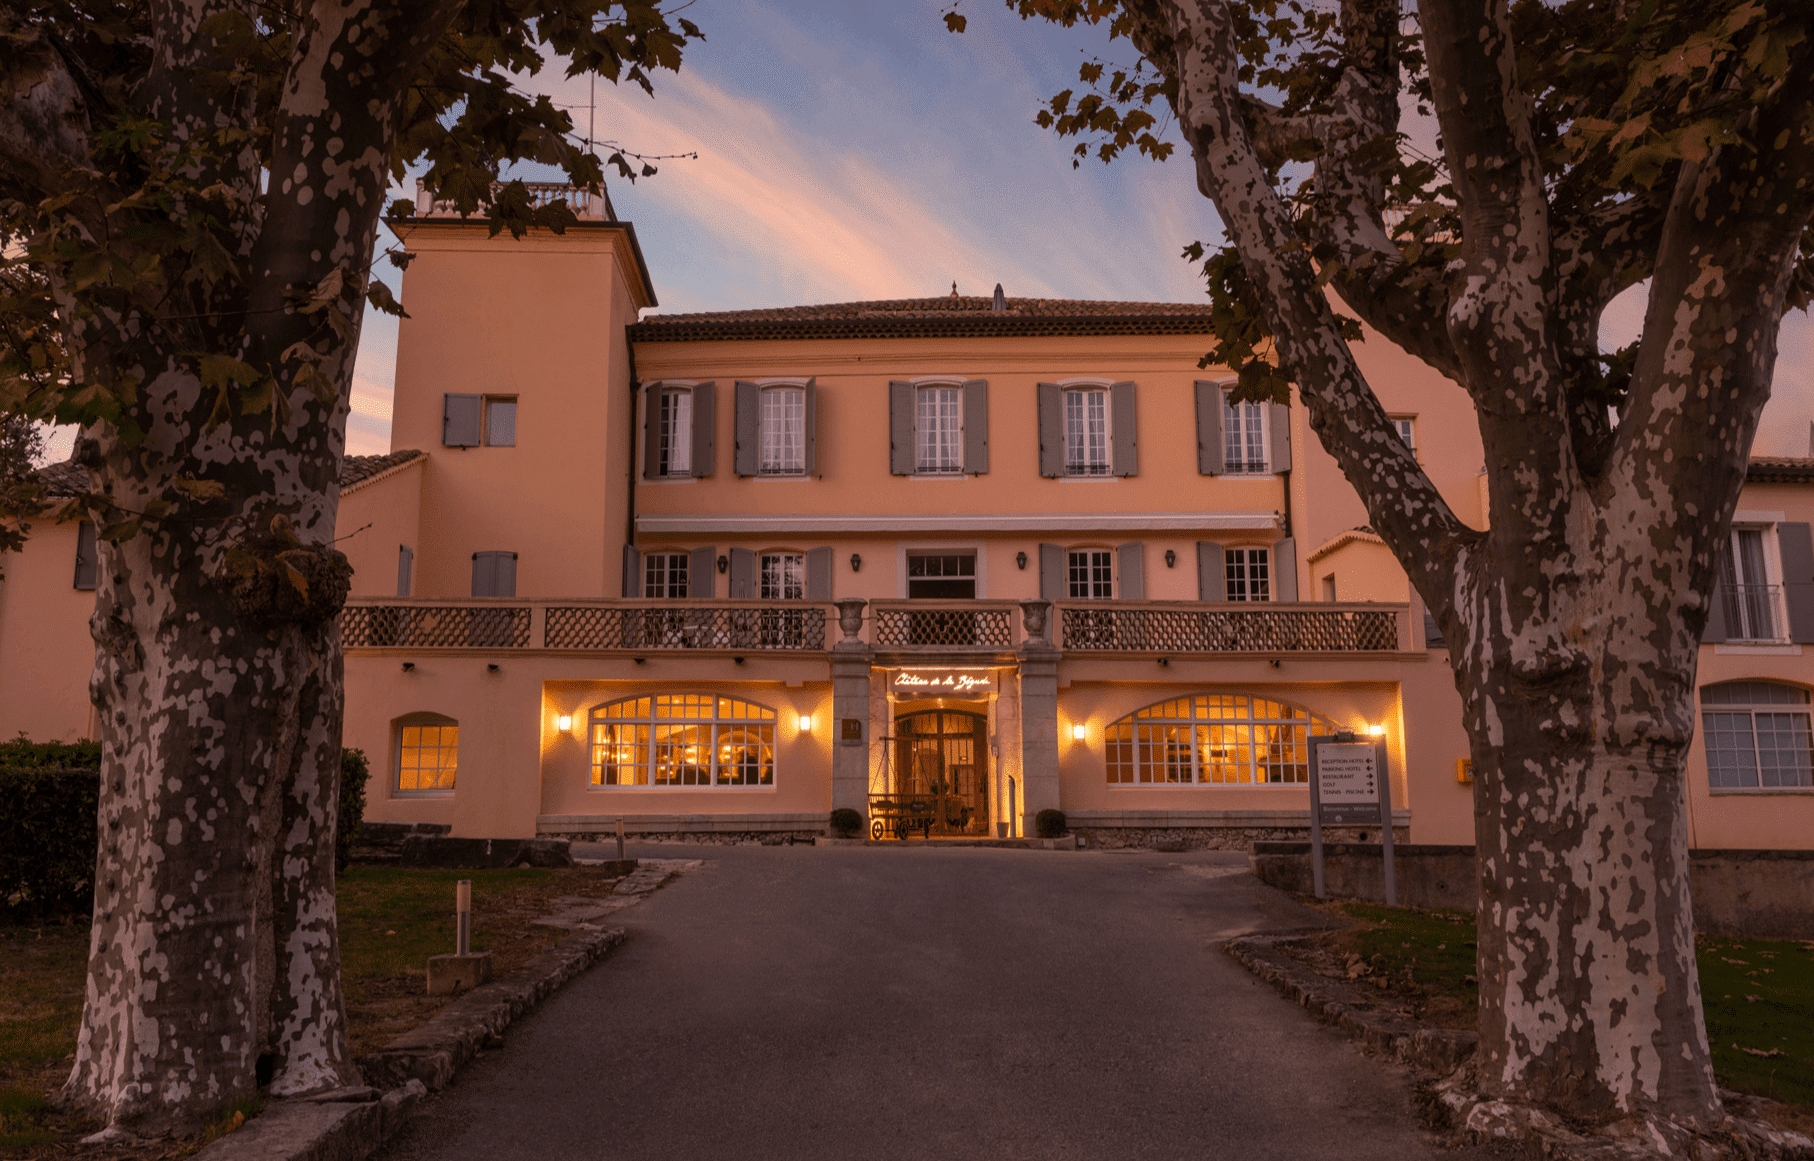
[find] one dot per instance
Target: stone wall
(1213, 838)
(1739, 893)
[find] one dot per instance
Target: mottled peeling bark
(1574, 622)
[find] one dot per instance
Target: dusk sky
(855, 151)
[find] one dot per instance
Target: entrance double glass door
(940, 783)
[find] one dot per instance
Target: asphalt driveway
(839, 1002)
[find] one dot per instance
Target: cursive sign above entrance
(940, 682)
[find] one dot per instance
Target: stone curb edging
(1348, 1008)
(350, 1124)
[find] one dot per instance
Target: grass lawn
(391, 921)
(1757, 994)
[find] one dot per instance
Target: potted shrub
(846, 823)
(1049, 824)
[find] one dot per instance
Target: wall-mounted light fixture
(492, 668)
(1274, 663)
(806, 723)
(563, 722)
(640, 660)
(724, 564)
(1165, 662)
(856, 562)
(738, 660)
(1376, 731)
(1080, 731)
(1020, 561)
(1171, 557)
(409, 667)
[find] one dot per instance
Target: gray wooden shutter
(705, 427)
(699, 573)
(460, 420)
(743, 574)
(651, 432)
(1716, 631)
(812, 426)
(902, 456)
(976, 426)
(818, 574)
(484, 574)
(1285, 570)
(1209, 428)
(1279, 431)
(1796, 548)
(1125, 454)
(88, 557)
(1051, 430)
(406, 569)
(1053, 584)
(506, 574)
(1130, 563)
(746, 456)
(1212, 571)
(632, 571)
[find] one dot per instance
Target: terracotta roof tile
(63, 479)
(945, 316)
(356, 469)
(1780, 470)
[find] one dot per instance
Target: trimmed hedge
(49, 800)
(1049, 824)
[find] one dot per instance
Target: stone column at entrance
(1038, 715)
(850, 663)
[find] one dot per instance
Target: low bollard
(620, 838)
(463, 917)
(464, 969)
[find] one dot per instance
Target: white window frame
(903, 549)
(954, 465)
(1745, 609)
(1087, 469)
(1236, 428)
(1406, 426)
(777, 586)
(1248, 555)
(667, 561)
(772, 458)
(674, 432)
(1749, 710)
(719, 727)
(1177, 731)
(486, 403)
(418, 721)
(1108, 578)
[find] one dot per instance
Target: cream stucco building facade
(946, 562)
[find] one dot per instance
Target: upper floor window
(664, 575)
(938, 429)
(775, 428)
(937, 576)
(471, 420)
(685, 739)
(1090, 573)
(88, 557)
(677, 430)
(428, 753)
(1249, 573)
(1757, 735)
(1225, 738)
(1243, 437)
(494, 574)
(1406, 426)
(783, 576)
(500, 421)
(1086, 430)
(1751, 603)
(674, 449)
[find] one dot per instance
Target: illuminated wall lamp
(563, 722)
(1080, 731)
(1376, 731)
(806, 723)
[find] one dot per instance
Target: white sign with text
(1347, 774)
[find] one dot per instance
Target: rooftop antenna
(954, 289)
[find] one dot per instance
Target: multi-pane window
(1757, 735)
(1750, 603)
(1090, 574)
(1249, 572)
(683, 739)
(1210, 739)
(1243, 437)
(664, 575)
(938, 429)
(946, 576)
(1407, 430)
(1086, 432)
(674, 447)
(783, 576)
(428, 754)
(500, 421)
(783, 439)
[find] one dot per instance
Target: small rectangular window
(1086, 432)
(500, 421)
(1329, 587)
(1407, 430)
(783, 437)
(1091, 574)
(428, 756)
(941, 576)
(675, 450)
(783, 576)
(664, 575)
(1243, 439)
(938, 430)
(1249, 574)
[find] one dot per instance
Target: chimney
(1001, 301)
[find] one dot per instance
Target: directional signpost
(1350, 783)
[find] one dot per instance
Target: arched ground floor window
(683, 739)
(427, 753)
(1213, 738)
